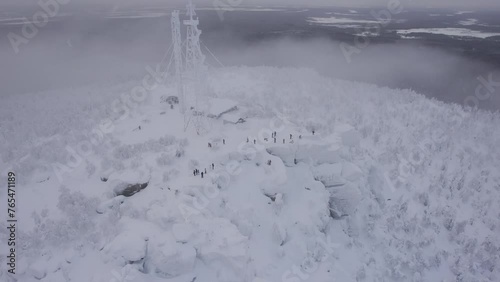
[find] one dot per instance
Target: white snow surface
(231, 8)
(338, 21)
(413, 184)
(469, 22)
(458, 32)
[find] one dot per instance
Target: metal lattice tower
(190, 72)
(177, 43)
(194, 56)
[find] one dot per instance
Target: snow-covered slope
(391, 186)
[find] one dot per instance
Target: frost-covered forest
(391, 186)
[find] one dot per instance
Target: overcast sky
(469, 4)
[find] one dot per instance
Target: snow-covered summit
(390, 187)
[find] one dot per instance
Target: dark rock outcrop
(129, 190)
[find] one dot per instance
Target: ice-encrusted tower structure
(177, 43)
(194, 56)
(189, 64)
(194, 60)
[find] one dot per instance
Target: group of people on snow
(223, 142)
(202, 173)
(273, 135)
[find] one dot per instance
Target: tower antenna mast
(194, 56)
(177, 43)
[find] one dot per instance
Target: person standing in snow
(205, 171)
(290, 136)
(283, 141)
(313, 132)
(213, 166)
(248, 140)
(202, 174)
(224, 141)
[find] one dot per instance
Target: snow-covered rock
(286, 154)
(218, 238)
(127, 247)
(170, 259)
(129, 189)
(129, 176)
(184, 232)
(318, 154)
(164, 213)
(310, 153)
(329, 174)
(344, 200)
(110, 204)
(351, 171)
(380, 186)
(38, 269)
